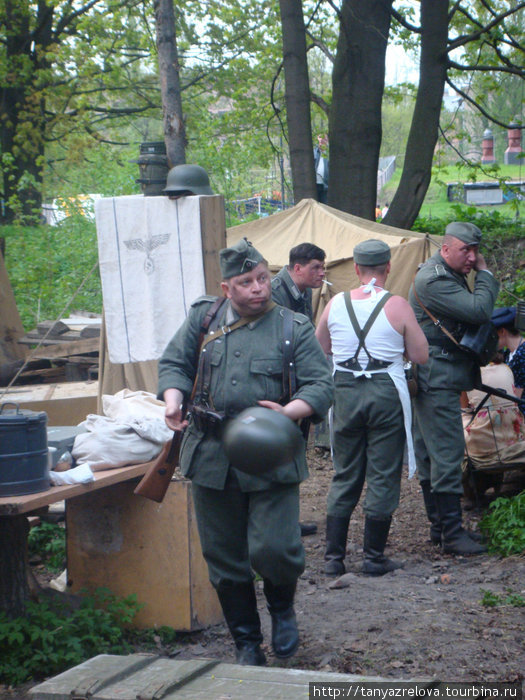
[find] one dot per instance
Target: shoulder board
(439, 270)
(298, 318)
(276, 282)
(206, 298)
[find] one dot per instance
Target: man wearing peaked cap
(368, 331)
(247, 521)
(442, 299)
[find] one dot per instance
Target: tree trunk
(14, 589)
(423, 135)
(169, 74)
(355, 116)
(22, 116)
(297, 94)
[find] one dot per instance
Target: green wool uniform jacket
(246, 366)
(447, 296)
(286, 293)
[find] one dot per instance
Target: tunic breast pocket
(267, 375)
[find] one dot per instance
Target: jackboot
(432, 512)
(285, 635)
(376, 534)
(336, 534)
(456, 540)
(239, 606)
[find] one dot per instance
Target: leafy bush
(53, 636)
(492, 600)
(46, 266)
(504, 525)
(49, 542)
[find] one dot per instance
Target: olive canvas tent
(337, 233)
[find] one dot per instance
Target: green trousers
(438, 439)
(246, 532)
(368, 444)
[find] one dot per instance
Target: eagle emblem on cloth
(148, 246)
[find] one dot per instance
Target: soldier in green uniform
(440, 289)
(246, 522)
(292, 285)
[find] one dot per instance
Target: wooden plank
(130, 544)
(14, 505)
(213, 235)
(77, 347)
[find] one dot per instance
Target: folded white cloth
(151, 268)
(79, 475)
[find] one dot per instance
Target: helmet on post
(260, 439)
(187, 179)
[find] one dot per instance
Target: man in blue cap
(511, 341)
(444, 306)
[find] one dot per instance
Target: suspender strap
(211, 314)
(361, 333)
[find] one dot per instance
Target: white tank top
(383, 342)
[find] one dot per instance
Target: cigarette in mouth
(328, 283)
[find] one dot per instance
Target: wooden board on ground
(108, 677)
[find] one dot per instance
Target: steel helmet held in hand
(260, 439)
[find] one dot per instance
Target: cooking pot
(23, 451)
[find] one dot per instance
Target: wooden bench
(119, 541)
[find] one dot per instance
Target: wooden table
(14, 528)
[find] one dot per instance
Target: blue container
(24, 465)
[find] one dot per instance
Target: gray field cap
(466, 232)
(239, 259)
(371, 253)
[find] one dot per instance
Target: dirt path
(425, 620)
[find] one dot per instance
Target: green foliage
(48, 541)
(53, 636)
(504, 525)
(493, 600)
(47, 264)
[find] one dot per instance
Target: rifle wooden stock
(156, 480)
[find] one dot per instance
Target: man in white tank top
(368, 332)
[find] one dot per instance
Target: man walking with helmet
(254, 353)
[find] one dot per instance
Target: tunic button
(237, 353)
(234, 381)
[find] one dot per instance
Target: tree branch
(467, 38)
(486, 69)
(404, 23)
(481, 109)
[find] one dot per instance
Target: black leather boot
(456, 540)
(285, 635)
(239, 606)
(432, 512)
(336, 534)
(376, 534)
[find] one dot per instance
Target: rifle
(156, 480)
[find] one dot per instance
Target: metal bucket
(153, 166)
(24, 465)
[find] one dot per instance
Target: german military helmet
(189, 179)
(259, 440)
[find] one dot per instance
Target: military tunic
(438, 433)
(286, 293)
(246, 521)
